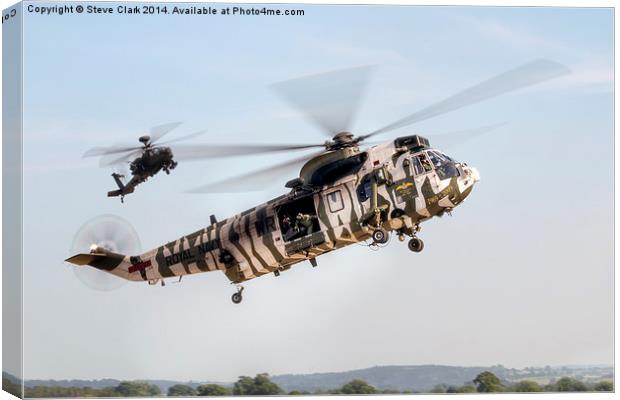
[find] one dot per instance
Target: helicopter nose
(474, 174)
(467, 180)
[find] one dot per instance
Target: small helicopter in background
(153, 156)
(146, 160)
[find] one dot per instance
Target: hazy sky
(521, 275)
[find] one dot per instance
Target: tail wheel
(416, 245)
(236, 298)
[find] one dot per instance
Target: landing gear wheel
(416, 245)
(236, 298)
(380, 236)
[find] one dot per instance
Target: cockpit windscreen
(444, 165)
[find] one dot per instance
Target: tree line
(261, 385)
(487, 382)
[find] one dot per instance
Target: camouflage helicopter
(146, 160)
(343, 195)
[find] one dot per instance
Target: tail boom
(113, 263)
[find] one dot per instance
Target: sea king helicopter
(344, 194)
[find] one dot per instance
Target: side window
(364, 190)
(417, 167)
(334, 199)
(426, 165)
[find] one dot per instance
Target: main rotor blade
(193, 152)
(330, 100)
(108, 160)
(186, 137)
(253, 181)
(454, 138)
(105, 150)
(159, 131)
(526, 75)
(449, 139)
(155, 133)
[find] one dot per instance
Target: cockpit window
(444, 165)
(443, 156)
(447, 157)
(435, 158)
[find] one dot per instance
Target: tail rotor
(104, 233)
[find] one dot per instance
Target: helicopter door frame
(338, 204)
(298, 236)
(265, 228)
(430, 173)
(333, 200)
(416, 162)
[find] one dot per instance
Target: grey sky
(520, 275)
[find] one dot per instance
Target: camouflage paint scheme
(252, 244)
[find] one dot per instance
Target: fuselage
(152, 161)
(411, 186)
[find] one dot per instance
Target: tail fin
(123, 189)
(119, 182)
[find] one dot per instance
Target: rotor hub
(342, 140)
(343, 137)
(145, 139)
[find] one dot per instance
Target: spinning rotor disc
(330, 101)
(112, 233)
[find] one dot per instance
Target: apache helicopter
(343, 195)
(146, 160)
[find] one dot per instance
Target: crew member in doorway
(304, 224)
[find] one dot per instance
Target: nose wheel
(415, 244)
(237, 297)
(380, 236)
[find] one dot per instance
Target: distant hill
(95, 384)
(416, 378)
(420, 378)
